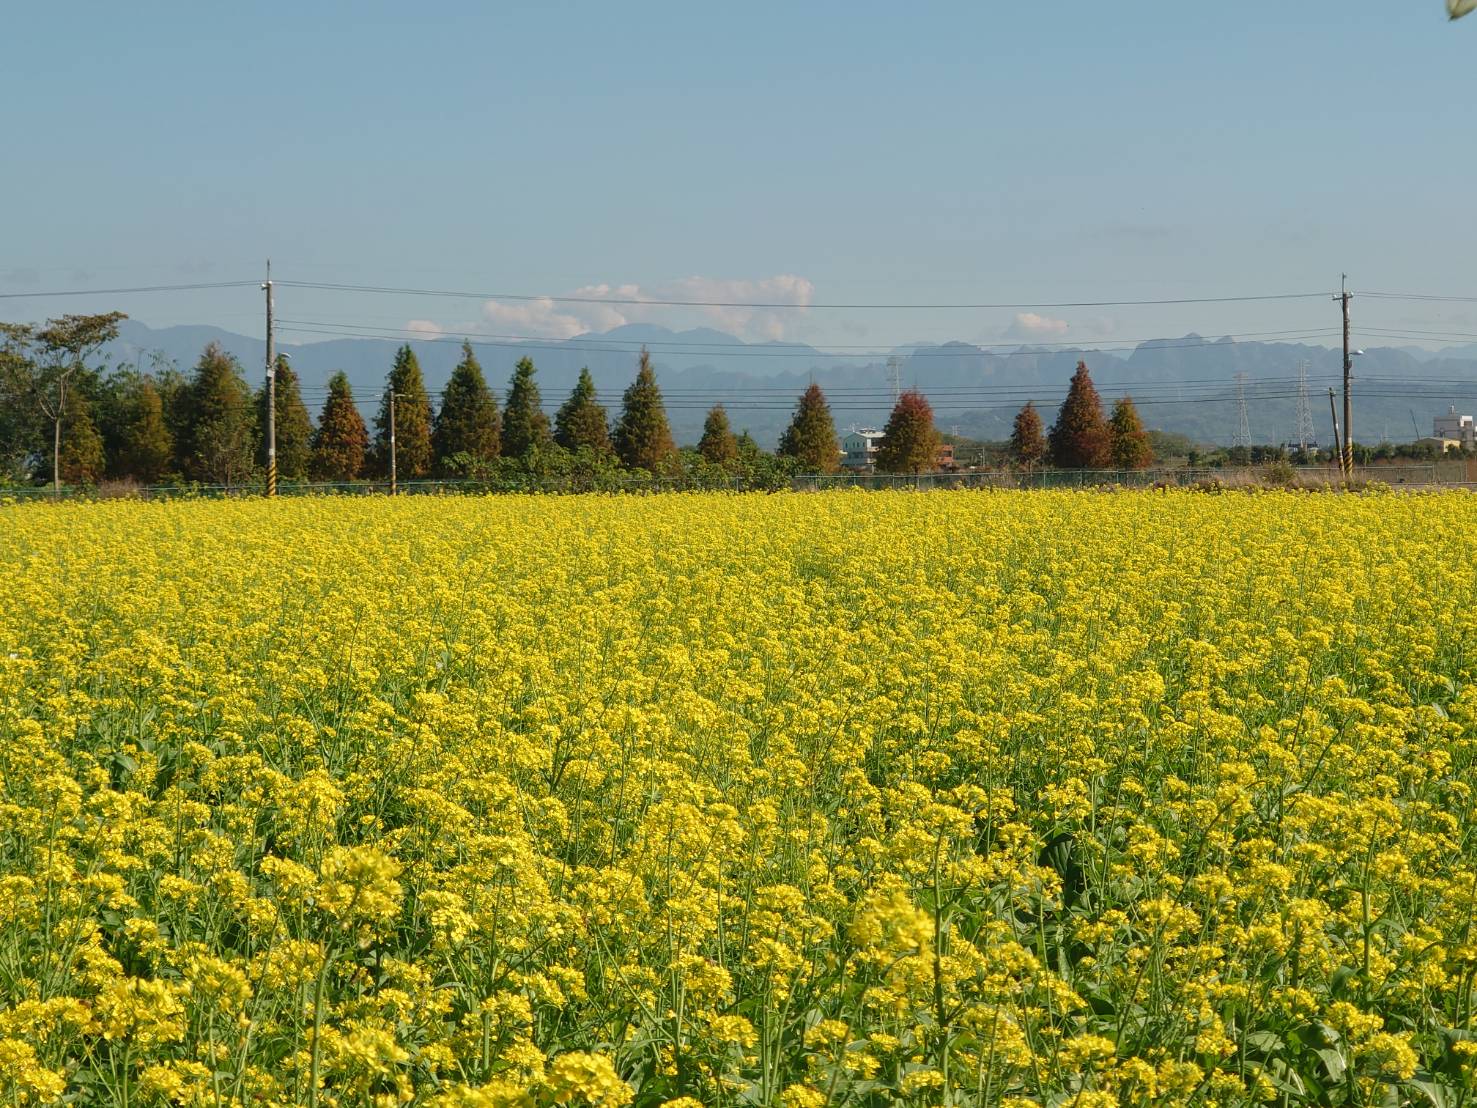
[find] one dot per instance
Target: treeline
(70, 421)
(67, 420)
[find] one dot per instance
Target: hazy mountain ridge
(759, 382)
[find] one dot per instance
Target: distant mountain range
(1184, 385)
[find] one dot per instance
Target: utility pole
(1347, 456)
(271, 391)
(393, 394)
(1333, 414)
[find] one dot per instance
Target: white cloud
(712, 301)
(1029, 325)
(545, 319)
(761, 323)
(424, 328)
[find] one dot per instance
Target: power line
(388, 332)
(1420, 296)
(795, 349)
(771, 305)
(1406, 333)
(137, 288)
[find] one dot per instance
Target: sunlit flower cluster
(853, 799)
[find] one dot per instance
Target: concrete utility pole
(271, 391)
(1347, 455)
(393, 395)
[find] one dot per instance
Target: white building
(859, 448)
(1453, 426)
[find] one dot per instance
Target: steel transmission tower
(1243, 426)
(1306, 435)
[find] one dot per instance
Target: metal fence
(1305, 476)
(625, 483)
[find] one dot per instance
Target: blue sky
(826, 152)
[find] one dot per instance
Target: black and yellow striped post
(271, 393)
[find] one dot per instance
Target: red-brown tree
(1027, 442)
(909, 441)
(1079, 439)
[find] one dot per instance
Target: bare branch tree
(41, 363)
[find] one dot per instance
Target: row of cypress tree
(208, 426)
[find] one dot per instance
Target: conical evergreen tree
(909, 442)
(412, 420)
(294, 426)
(1027, 443)
(219, 421)
(1129, 442)
(173, 388)
(525, 426)
(581, 421)
(82, 457)
(811, 436)
(112, 412)
(642, 438)
(1079, 438)
(717, 444)
(468, 422)
(341, 441)
(147, 447)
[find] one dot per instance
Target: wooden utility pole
(1347, 455)
(1334, 415)
(392, 442)
(271, 391)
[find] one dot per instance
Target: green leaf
(1438, 1096)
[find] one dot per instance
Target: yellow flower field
(1065, 799)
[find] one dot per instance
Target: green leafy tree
(1027, 442)
(525, 426)
(341, 442)
(174, 394)
(1128, 441)
(717, 446)
(294, 425)
(219, 421)
(909, 441)
(1079, 439)
(642, 438)
(82, 458)
(42, 364)
(412, 420)
(20, 427)
(146, 448)
(581, 420)
(468, 426)
(112, 411)
(748, 449)
(811, 436)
